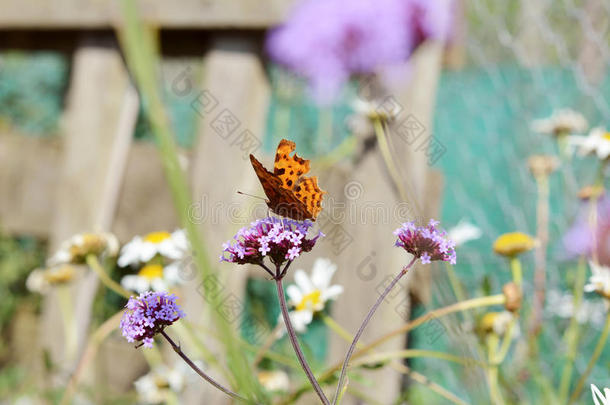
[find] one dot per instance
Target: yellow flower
(498, 323)
(513, 243)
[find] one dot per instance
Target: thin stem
(573, 332)
(599, 348)
(455, 283)
(401, 368)
(267, 269)
(295, 343)
(507, 339)
(391, 165)
(416, 353)
(368, 317)
(492, 370)
(102, 332)
(517, 271)
(201, 373)
(542, 225)
(66, 306)
(457, 307)
(273, 337)
(283, 274)
(95, 265)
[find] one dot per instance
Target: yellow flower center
(151, 271)
(157, 237)
(512, 244)
(314, 299)
(606, 136)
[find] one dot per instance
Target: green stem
(392, 168)
(572, 334)
(416, 353)
(492, 370)
(455, 283)
(457, 307)
(345, 335)
(95, 265)
(142, 57)
(506, 341)
(70, 330)
(599, 348)
(95, 340)
(517, 271)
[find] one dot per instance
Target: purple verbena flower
(426, 242)
(582, 240)
(326, 41)
(279, 239)
(149, 314)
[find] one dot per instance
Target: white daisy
(464, 232)
(153, 277)
(598, 397)
(154, 387)
(597, 142)
(173, 246)
(274, 380)
(41, 280)
(501, 323)
(563, 121)
(599, 281)
(75, 249)
(310, 294)
(562, 305)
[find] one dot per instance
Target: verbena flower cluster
(278, 239)
(149, 314)
(581, 240)
(328, 40)
(427, 243)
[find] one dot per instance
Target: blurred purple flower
(149, 314)
(578, 240)
(328, 40)
(279, 239)
(426, 242)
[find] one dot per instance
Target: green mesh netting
(32, 89)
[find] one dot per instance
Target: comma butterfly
(290, 194)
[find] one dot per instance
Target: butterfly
(290, 194)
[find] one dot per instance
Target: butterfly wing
(271, 183)
(308, 192)
(282, 201)
(289, 168)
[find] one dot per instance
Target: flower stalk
(572, 334)
(599, 348)
(368, 317)
(199, 371)
(95, 265)
(293, 337)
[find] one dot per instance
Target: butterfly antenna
(250, 195)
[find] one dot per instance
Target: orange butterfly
(290, 194)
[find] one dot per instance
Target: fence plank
(87, 14)
(100, 116)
